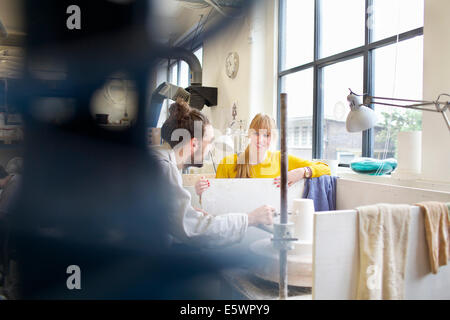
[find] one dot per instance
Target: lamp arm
(369, 99)
(417, 106)
(446, 105)
(437, 104)
(404, 100)
(413, 106)
(444, 114)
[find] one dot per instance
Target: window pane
(395, 16)
(398, 73)
(174, 74)
(341, 25)
(164, 113)
(184, 75)
(299, 88)
(337, 79)
(199, 54)
(298, 47)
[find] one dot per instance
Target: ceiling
(176, 18)
(171, 22)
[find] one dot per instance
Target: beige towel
(448, 209)
(436, 232)
(383, 241)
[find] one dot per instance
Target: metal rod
(283, 194)
(283, 164)
(283, 275)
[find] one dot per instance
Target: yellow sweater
(270, 167)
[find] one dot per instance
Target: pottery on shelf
(373, 167)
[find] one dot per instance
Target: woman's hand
(293, 176)
(201, 185)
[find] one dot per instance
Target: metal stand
(283, 231)
(283, 241)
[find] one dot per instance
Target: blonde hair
(244, 169)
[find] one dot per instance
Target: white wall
(351, 194)
(435, 135)
(254, 89)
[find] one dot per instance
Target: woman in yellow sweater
(258, 162)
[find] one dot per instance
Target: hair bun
(182, 116)
(179, 110)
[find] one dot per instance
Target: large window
(299, 87)
(337, 78)
(179, 70)
(329, 46)
(178, 74)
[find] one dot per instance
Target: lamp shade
(360, 117)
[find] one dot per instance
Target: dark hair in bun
(182, 116)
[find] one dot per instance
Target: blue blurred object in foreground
(373, 167)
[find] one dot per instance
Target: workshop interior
(225, 149)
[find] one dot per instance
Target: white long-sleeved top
(190, 226)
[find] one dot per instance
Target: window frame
(177, 62)
(172, 62)
(365, 51)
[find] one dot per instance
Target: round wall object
(232, 65)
